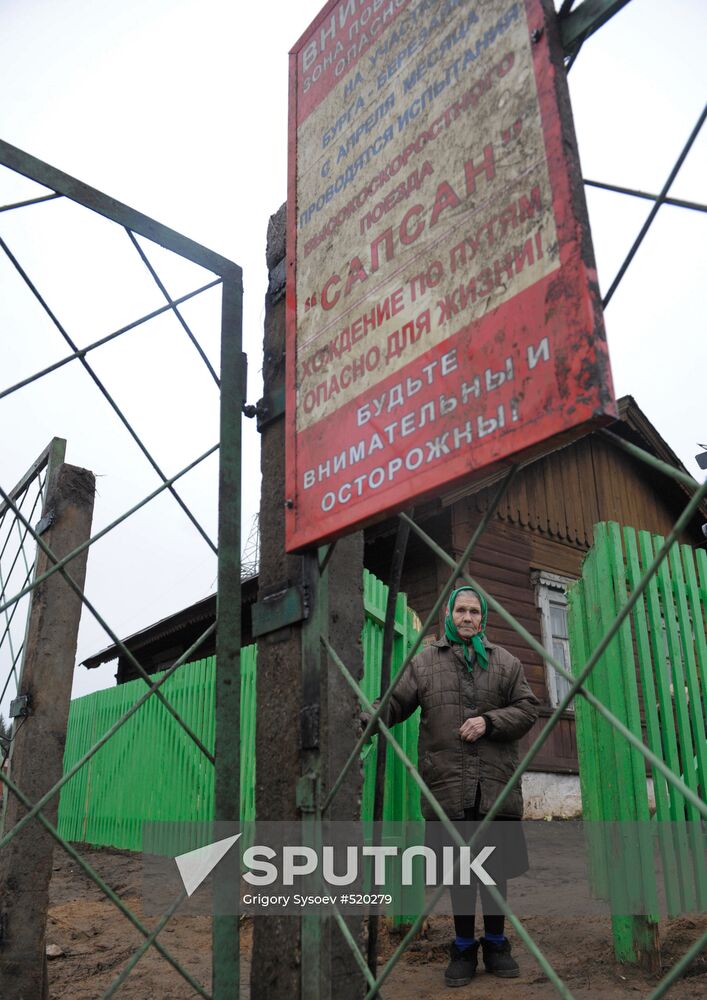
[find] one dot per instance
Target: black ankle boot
(462, 965)
(498, 959)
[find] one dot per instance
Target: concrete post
(289, 741)
(36, 760)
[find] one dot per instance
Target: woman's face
(466, 614)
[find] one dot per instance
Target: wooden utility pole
(37, 753)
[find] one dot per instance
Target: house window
(550, 597)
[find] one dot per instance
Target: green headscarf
(476, 641)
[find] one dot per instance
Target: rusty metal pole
(37, 752)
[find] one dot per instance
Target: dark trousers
(464, 906)
(464, 896)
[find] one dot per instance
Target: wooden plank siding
(562, 495)
(544, 522)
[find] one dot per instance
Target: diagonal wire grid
(577, 687)
(17, 553)
(20, 540)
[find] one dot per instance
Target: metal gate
(19, 518)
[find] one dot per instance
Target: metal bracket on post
(45, 523)
(270, 407)
(21, 706)
(286, 606)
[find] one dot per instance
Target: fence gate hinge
(306, 795)
(309, 727)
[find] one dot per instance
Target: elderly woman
(475, 705)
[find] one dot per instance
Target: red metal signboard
(443, 313)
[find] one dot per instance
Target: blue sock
(495, 938)
(464, 943)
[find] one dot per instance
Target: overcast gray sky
(179, 108)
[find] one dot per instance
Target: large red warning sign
(443, 312)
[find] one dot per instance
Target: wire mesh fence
(594, 662)
(153, 346)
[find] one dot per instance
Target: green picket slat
(697, 603)
(619, 800)
(626, 677)
(687, 624)
(600, 611)
(679, 699)
(401, 796)
(597, 683)
(692, 888)
(653, 736)
(645, 666)
(697, 764)
(637, 866)
(586, 736)
(661, 674)
(667, 666)
(700, 601)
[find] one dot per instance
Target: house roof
(633, 426)
(632, 416)
(203, 611)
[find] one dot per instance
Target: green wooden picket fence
(653, 677)
(150, 771)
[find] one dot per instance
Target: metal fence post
(38, 737)
(315, 981)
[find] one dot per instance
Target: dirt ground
(97, 941)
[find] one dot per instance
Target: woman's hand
(473, 729)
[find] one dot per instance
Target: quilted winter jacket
(438, 680)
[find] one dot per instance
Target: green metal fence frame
(231, 383)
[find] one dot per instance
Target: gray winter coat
(439, 681)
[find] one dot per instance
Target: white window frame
(551, 587)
